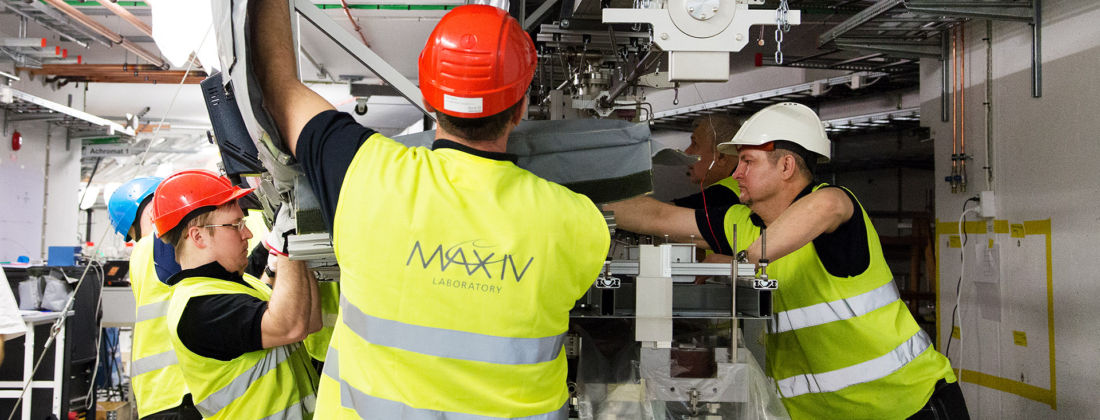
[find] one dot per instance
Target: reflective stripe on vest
(868, 371)
(221, 398)
(152, 310)
(369, 407)
(156, 378)
(332, 365)
(451, 344)
(152, 363)
(837, 310)
(295, 411)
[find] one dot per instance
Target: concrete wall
(22, 182)
(1044, 154)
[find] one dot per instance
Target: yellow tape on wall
(1016, 230)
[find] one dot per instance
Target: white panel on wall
(23, 176)
(1005, 313)
(1044, 154)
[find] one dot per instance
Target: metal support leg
(58, 367)
(28, 369)
(1037, 50)
(945, 101)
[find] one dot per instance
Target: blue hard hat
(123, 206)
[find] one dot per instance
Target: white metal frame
(13, 389)
(112, 127)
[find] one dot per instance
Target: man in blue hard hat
(156, 378)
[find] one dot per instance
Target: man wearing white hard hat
(842, 344)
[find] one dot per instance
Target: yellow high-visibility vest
(277, 382)
(843, 347)
(730, 183)
(317, 343)
(155, 374)
(457, 276)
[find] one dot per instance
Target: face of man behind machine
(229, 243)
(712, 165)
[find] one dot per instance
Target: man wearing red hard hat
(238, 341)
(458, 268)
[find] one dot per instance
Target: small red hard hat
(477, 62)
(187, 191)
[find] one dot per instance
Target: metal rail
(907, 28)
(767, 97)
(112, 127)
(870, 121)
(363, 54)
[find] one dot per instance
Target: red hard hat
(477, 63)
(187, 191)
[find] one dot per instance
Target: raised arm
(648, 216)
(274, 62)
(293, 312)
(822, 211)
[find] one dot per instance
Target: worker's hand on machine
(284, 226)
(713, 259)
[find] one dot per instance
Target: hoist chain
(782, 24)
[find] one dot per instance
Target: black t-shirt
(325, 149)
(221, 327)
(717, 195)
(327, 145)
(844, 253)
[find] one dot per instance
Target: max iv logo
(475, 257)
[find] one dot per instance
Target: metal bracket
(937, 11)
(572, 345)
(1014, 11)
(363, 54)
(538, 15)
(729, 33)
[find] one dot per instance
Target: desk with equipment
(62, 383)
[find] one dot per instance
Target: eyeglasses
(239, 225)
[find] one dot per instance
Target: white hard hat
(787, 121)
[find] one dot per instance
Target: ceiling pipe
(107, 33)
(127, 16)
(23, 42)
(45, 25)
(68, 22)
(113, 73)
(354, 24)
(138, 23)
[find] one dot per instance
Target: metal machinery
(587, 69)
(597, 61)
(691, 360)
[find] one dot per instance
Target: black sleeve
(325, 149)
(257, 261)
(715, 197)
(711, 222)
(845, 252)
(222, 327)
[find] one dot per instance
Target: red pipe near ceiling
(358, 29)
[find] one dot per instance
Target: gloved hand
(284, 226)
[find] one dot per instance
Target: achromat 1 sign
(106, 150)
